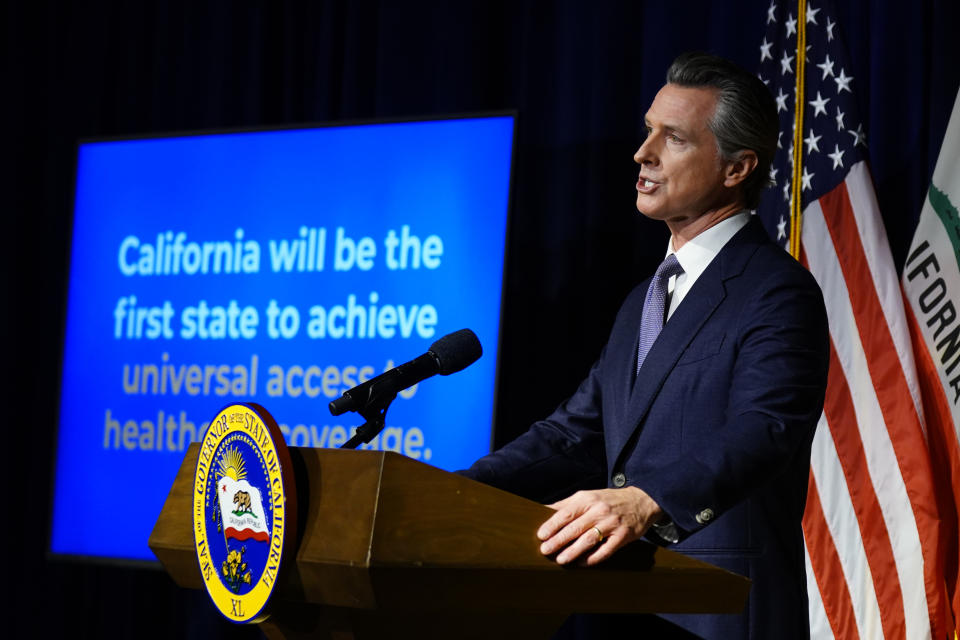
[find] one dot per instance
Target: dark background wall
(580, 74)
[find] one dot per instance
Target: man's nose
(645, 154)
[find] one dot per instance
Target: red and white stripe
(871, 525)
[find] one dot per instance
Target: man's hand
(598, 522)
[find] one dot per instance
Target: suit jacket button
(705, 516)
(619, 480)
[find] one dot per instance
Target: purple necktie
(654, 307)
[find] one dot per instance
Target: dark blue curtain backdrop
(580, 75)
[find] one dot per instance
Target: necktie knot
(654, 306)
(668, 268)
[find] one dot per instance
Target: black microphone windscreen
(456, 351)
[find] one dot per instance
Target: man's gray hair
(745, 117)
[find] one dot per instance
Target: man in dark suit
(699, 430)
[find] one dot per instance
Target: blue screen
(277, 267)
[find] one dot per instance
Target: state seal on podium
(244, 510)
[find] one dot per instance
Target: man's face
(681, 173)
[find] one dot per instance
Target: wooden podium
(391, 547)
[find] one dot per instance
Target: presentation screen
(279, 267)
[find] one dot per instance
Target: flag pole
(796, 210)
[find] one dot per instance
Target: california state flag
(242, 510)
(931, 284)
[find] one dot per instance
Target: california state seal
(244, 510)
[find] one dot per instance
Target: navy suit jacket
(716, 428)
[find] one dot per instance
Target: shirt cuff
(667, 531)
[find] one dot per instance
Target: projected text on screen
(277, 267)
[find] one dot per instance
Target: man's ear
(738, 170)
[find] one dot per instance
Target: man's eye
(672, 137)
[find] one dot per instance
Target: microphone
(449, 354)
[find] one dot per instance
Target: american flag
(870, 526)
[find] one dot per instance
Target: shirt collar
(698, 252)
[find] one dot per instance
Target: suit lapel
(687, 321)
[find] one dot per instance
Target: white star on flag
(836, 156)
(781, 104)
(843, 81)
(819, 105)
(791, 25)
(826, 66)
(765, 50)
(785, 61)
(859, 137)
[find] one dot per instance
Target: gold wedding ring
(599, 534)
